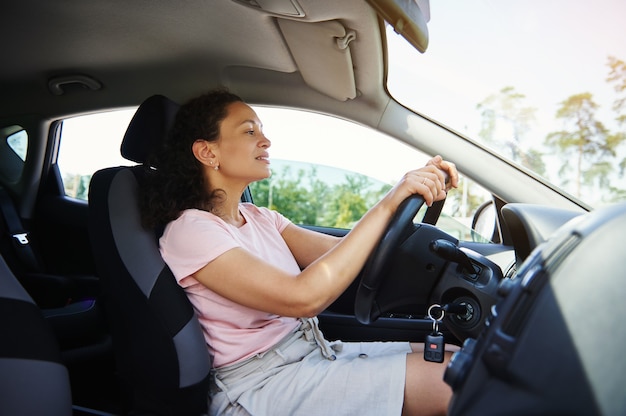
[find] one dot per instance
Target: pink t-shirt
(232, 331)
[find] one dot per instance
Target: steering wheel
(365, 308)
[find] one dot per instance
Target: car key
(434, 343)
(433, 348)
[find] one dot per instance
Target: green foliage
(77, 186)
(305, 199)
(348, 201)
(617, 77)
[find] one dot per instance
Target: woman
(257, 281)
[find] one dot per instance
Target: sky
(547, 49)
(86, 142)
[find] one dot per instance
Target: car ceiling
(138, 48)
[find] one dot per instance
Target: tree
(305, 199)
(77, 186)
(463, 200)
(586, 140)
(297, 196)
(505, 122)
(617, 77)
(83, 187)
(350, 200)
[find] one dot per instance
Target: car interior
(93, 321)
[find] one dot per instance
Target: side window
(328, 172)
(325, 171)
(13, 148)
(314, 194)
(89, 143)
(18, 142)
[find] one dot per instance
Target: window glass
(13, 148)
(313, 194)
(18, 142)
(90, 143)
(325, 171)
(328, 172)
(529, 80)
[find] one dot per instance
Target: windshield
(543, 83)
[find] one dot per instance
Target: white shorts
(295, 378)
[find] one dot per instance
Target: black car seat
(161, 354)
(33, 381)
(68, 302)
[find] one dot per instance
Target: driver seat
(161, 354)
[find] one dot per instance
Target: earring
(217, 167)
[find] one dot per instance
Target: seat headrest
(148, 127)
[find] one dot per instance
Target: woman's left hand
(431, 182)
(449, 170)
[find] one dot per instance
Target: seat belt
(17, 233)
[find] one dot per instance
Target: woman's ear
(203, 151)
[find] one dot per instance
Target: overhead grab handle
(56, 85)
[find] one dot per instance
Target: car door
(57, 269)
(78, 147)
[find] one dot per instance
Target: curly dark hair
(174, 177)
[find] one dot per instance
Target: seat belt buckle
(21, 238)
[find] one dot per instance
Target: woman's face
(242, 147)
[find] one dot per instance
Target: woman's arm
(306, 245)
(254, 282)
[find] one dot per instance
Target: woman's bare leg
(425, 392)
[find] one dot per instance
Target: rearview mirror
(408, 18)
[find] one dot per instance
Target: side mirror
(484, 221)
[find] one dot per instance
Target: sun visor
(321, 51)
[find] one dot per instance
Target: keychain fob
(434, 343)
(433, 347)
